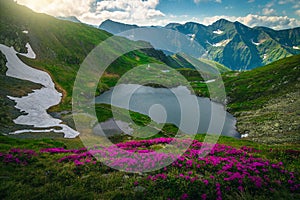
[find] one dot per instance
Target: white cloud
(145, 13)
(199, 1)
(136, 10)
(268, 11)
(228, 7)
(251, 1)
(281, 2)
(92, 12)
(275, 22)
(270, 4)
(296, 3)
(59, 7)
(297, 12)
(210, 20)
(296, 6)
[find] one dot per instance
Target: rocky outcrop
(277, 122)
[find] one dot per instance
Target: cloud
(94, 12)
(296, 6)
(134, 10)
(297, 12)
(228, 7)
(296, 3)
(270, 4)
(143, 12)
(210, 20)
(59, 7)
(281, 2)
(268, 11)
(199, 1)
(275, 22)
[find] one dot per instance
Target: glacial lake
(150, 101)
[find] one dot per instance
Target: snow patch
(165, 71)
(35, 104)
(209, 42)
(30, 53)
(219, 32)
(192, 36)
(256, 43)
(265, 56)
(25, 32)
(222, 43)
(41, 131)
(210, 81)
(295, 47)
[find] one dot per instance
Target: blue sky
(277, 14)
(228, 7)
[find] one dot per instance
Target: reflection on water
(111, 128)
(148, 101)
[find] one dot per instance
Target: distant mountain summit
(116, 27)
(233, 44)
(70, 18)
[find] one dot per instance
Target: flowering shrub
(18, 156)
(223, 171)
(62, 150)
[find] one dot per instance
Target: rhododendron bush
(223, 170)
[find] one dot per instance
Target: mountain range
(70, 18)
(36, 161)
(61, 46)
(232, 44)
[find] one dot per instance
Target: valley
(159, 123)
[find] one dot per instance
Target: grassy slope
(44, 175)
(266, 101)
(61, 46)
(252, 89)
(221, 68)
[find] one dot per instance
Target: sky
(276, 14)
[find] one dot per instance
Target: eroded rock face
(277, 122)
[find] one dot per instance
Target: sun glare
(36, 5)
